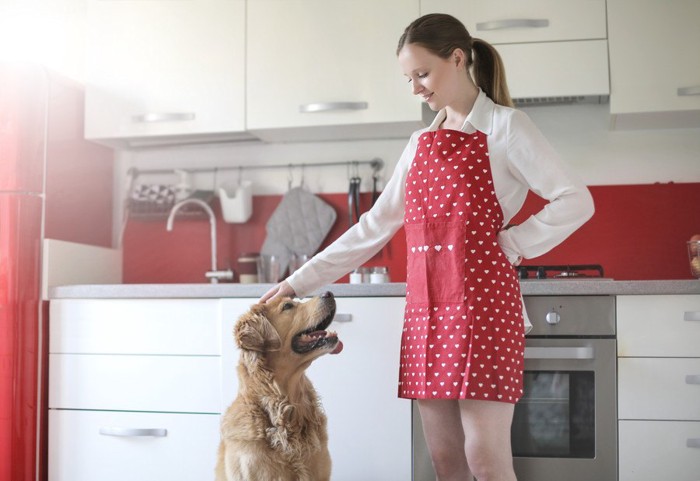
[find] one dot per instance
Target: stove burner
(561, 271)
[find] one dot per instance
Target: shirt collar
(480, 118)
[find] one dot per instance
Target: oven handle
(585, 352)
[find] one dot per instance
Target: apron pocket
(436, 262)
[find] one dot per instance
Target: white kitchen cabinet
(164, 70)
(551, 49)
(369, 427)
(652, 67)
(658, 387)
(524, 21)
(654, 450)
(319, 70)
(122, 368)
(134, 446)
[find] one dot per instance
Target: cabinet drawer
(135, 383)
(664, 326)
(515, 21)
(135, 326)
(654, 450)
(78, 452)
(659, 388)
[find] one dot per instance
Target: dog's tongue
(338, 347)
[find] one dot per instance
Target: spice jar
(248, 268)
(379, 275)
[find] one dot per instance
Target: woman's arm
(533, 161)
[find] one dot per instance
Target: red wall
(638, 232)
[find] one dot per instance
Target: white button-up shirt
(521, 160)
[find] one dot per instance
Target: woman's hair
(441, 34)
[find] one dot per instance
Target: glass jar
(248, 267)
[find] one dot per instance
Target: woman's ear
(253, 332)
(459, 58)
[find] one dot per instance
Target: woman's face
(435, 79)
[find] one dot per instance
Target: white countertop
(398, 289)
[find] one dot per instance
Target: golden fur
(275, 430)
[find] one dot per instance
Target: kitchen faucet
(214, 274)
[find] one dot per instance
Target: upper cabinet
(320, 69)
(550, 48)
(655, 77)
(164, 71)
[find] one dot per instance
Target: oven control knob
(552, 317)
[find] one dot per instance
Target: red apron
(463, 335)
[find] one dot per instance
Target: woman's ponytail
(489, 72)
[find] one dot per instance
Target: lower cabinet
(659, 387)
(136, 388)
(134, 446)
(369, 427)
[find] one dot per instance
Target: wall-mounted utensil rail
(376, 164)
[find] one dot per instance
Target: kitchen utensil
(237, 202)
(298, 226)
(354, 200)
(694, 257)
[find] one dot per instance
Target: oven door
(566, 421)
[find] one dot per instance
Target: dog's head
(289, 329)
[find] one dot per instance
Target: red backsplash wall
(638, 232)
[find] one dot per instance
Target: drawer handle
(342, 318)
(134, 432)
(692, 379)
(688, 91)
(513, 23)
(693, 442)
(332, 107)
(155, 117)
(691, 316)
(559, 353)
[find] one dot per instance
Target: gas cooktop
(559, 272)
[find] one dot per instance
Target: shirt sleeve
(363, 240)
(533, 161)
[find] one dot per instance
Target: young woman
(455, 188)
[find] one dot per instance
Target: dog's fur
(275, 430)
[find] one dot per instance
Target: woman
(457, 185)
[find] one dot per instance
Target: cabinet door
(659, 326)
(369, 427)
(116, 446)
(652, 67)
(515, 21)
(164, 68)
(135, 383)
(135, 326)
(315, 63)
(659, 388)
(654, 450)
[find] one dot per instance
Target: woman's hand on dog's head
(283, 289)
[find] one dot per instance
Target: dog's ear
(254, 332)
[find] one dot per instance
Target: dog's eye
(287, 305)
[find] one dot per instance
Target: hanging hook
(302, 175)
(240, 175)
(290, 176)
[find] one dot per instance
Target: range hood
(551, 73)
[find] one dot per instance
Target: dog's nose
(327, 294)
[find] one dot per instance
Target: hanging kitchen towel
(298, 225)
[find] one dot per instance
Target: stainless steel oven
(565, 425)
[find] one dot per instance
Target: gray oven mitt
(298, 225)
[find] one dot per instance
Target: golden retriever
(275, 430)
